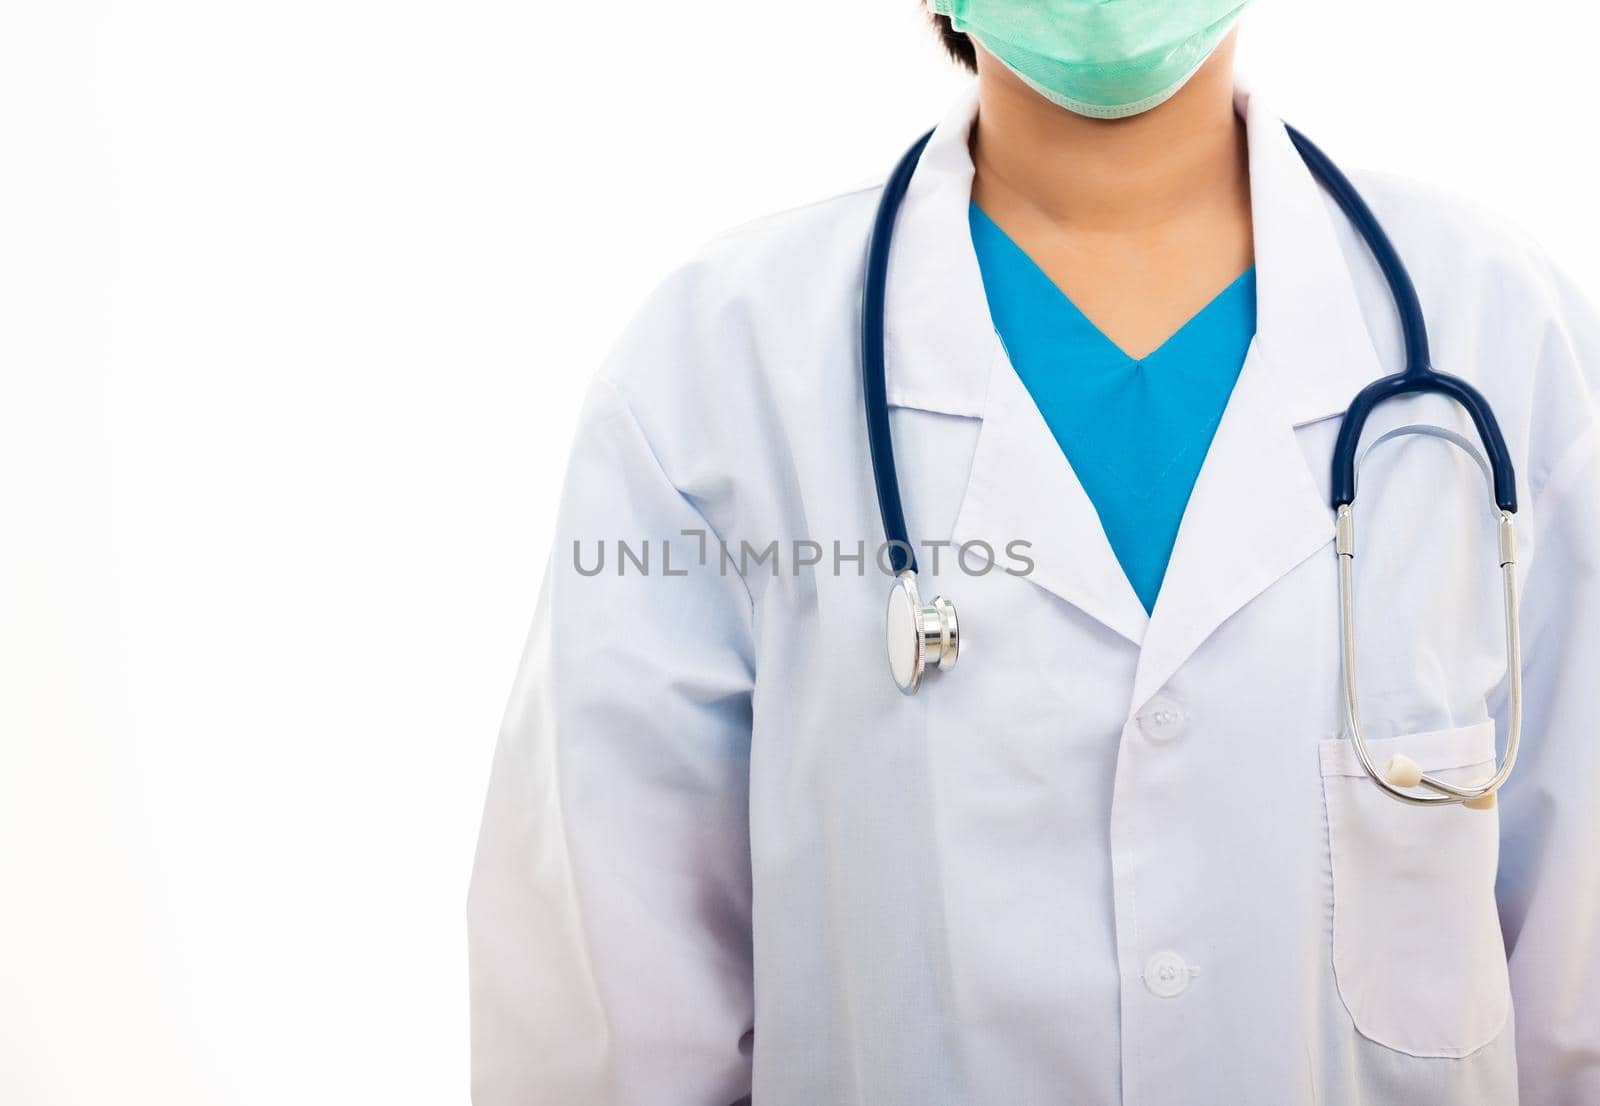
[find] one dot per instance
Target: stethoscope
(921, 635)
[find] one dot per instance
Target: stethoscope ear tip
(1402, 771)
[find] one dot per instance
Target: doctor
(1124, 852)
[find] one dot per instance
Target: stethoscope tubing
(1419, 375)
(874, 293)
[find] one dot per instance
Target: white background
(297, 303)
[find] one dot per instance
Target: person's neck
(1119, 176)
(1140, 221)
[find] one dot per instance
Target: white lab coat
(1109, 857)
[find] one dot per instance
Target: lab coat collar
(943, 355)
(1257, 510)
(940, 340)
(1309, 324)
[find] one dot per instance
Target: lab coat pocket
(1417, 951)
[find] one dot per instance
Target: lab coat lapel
(1023, 490)
(944, 355)
(939, 343)
(1258, 509)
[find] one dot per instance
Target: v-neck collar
(1256, 511)
(1045, 294)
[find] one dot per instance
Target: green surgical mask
(1102, 58)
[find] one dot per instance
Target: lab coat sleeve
(608, 915)
(1549, 885)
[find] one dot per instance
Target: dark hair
(957, 44)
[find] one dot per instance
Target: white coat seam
(1564, 473)
(627, 410)
(877, 182)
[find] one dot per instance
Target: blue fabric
(1134, 431)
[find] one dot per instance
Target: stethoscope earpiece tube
(1400, 774)
(1502, 473)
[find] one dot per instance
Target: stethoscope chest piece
(919, 636)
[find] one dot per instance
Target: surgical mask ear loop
(1401, 775)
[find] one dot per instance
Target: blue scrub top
(1134, 431)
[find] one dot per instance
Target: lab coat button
(1167, 975)
(1161, 719)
